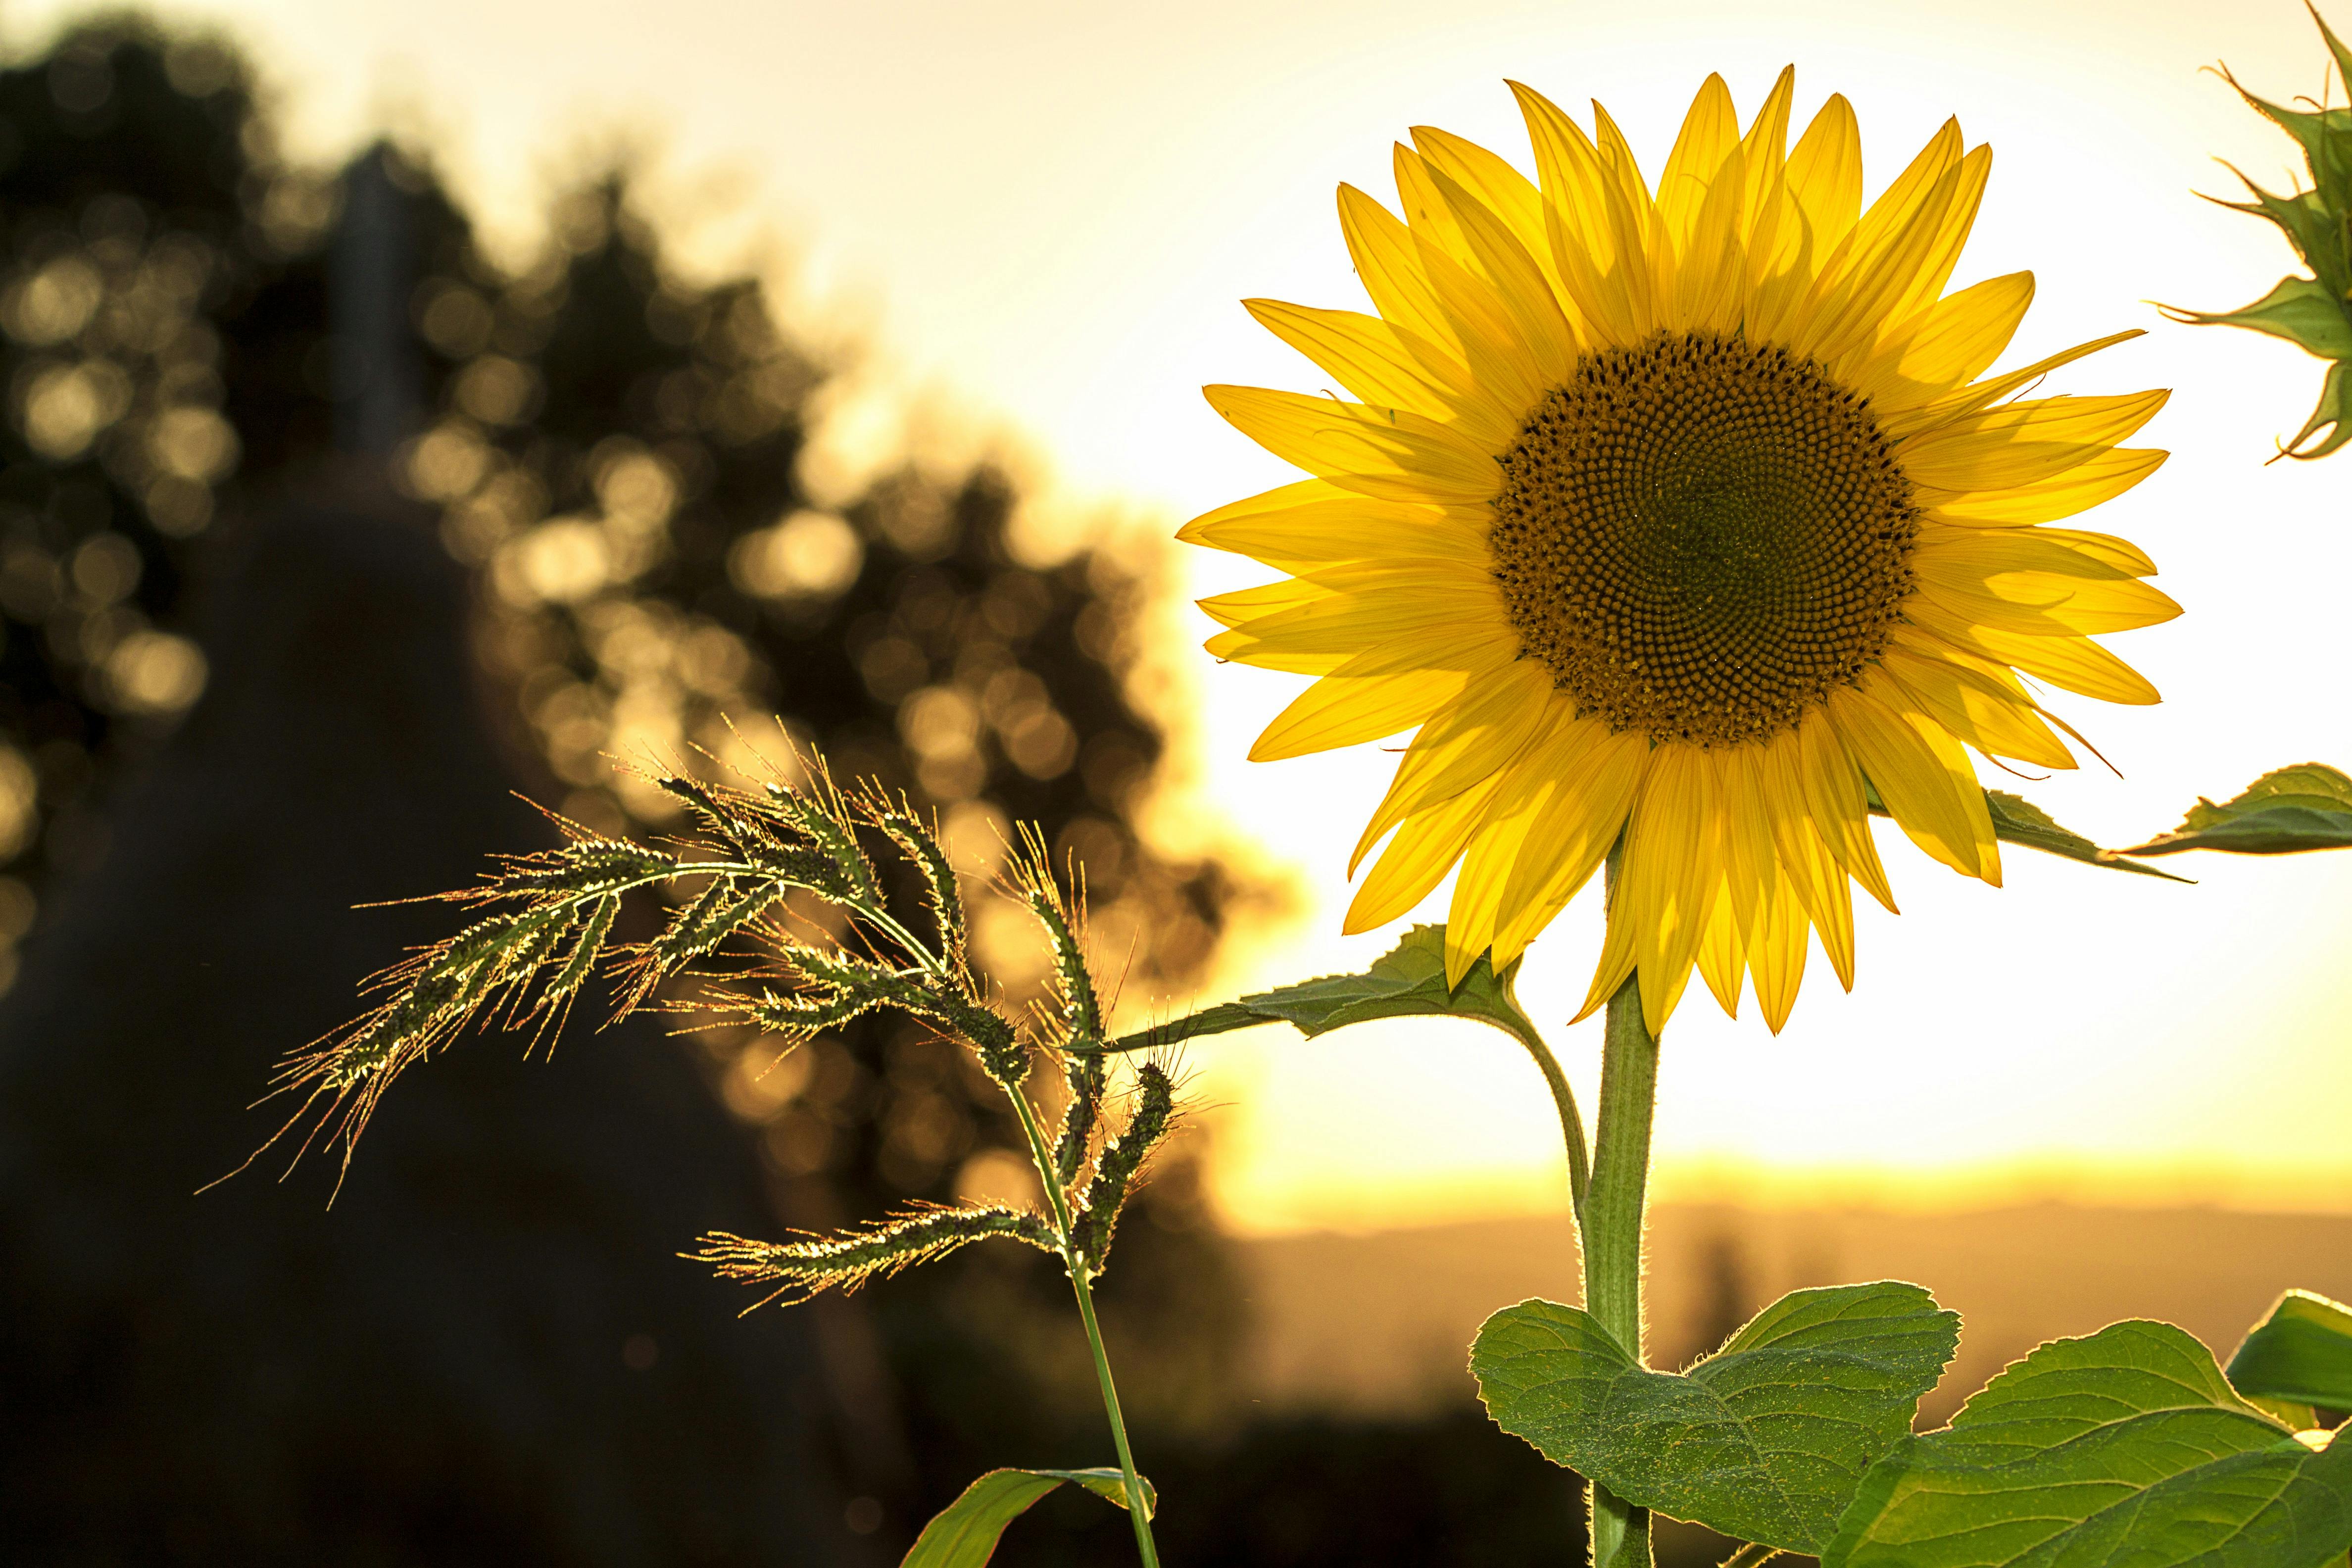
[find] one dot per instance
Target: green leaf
(2301, 1353)
(2019, 821)
(2016, 820)
(964, 1533)
(2126, 1447)
(1764, 1440)
(2308, 806)
(2300, 309)
(1408, 980)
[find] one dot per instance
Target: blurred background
(410, 407)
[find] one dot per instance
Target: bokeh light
(1049, 210)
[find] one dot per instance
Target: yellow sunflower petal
(1824, 174)
(1479, 890)
(1903, 424)
(1266, 599)
(1672, 874)
(2021, 444)
(1975, 710)
(1353, 528)
(1491, 179)
(1339, 711)
(1951, 344)
(1388, 264)
(1531, 314)
(1351, 623)
(1383, 452)
(1764, 150)
(1386, 365)
(1723, 955)
(1709, 134)
(1482, 735)
(1594, 779)
(1425, 848)
(2073, 662)
(1777, 956)
(1924, 777)
(1586, 252)
(2100, 477)
(1814, 876)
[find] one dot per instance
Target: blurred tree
(613, 448)
(618, 450)
(166, 354)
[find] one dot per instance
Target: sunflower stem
(1611, 1225)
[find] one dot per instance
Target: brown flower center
(1701, 537)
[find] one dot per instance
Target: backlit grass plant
(543, 927)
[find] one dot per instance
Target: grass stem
(1139, 1511)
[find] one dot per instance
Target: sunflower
(1680, 518)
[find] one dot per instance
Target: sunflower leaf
(2284, 812)
(1408, 981)
(2300, 1354)
(2126, 1447)
(1764, 1440)
(964, 1533)
(2016, 820)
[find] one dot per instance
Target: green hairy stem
(1081, 1284)
(1613, 1234)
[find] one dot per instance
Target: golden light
(1052, 211)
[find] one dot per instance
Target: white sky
(1045, 213)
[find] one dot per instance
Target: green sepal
(2127, 1446)
(2284, 812)
(1765, 1440)
(2300, 309)
(2300, 1354)
(2315, 311)
(2335, 410)
(964, 1533)
(1408, 980)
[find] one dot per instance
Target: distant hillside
(1381, 1323)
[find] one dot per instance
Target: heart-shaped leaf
(2302, 1352)
(1764, 1440)
(2307, 806)
(964, 1533)
(2129, 1446)
(1407, 981)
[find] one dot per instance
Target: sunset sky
(1042, 215)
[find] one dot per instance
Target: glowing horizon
(1050, 212)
